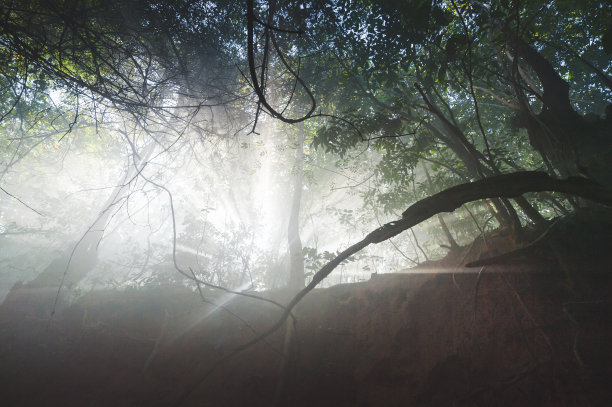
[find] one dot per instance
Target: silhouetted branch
(20, 201)
(257, 87)
(500, 186)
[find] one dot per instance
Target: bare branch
(500, 186)
(255, 82)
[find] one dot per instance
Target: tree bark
(557, 132)
(451, 240)
(531, 212)
(296, 256)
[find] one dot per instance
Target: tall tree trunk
(41, 296)
(557, 132)
(296, 256)
(531, 212)
(451, 240)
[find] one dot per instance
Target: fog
(217, 205)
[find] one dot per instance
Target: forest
(298, 203)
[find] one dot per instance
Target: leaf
(606, 41)
(442, 73)
(441, 17)
(453, 44)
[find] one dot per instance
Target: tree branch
(500, 186)
(257, 87)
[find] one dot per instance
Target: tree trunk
(557, 132)
(296, 256)
(41, 296)
(531, 212)
(451, 240)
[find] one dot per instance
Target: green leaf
(453, 44)
(606, 41)
(442, 73)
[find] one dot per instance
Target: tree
(450, 95)
(296, 255)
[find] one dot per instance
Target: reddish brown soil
(396, 340)
(538, 337)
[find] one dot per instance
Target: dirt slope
(503, 337)
(397, 340)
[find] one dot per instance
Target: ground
(505, 335)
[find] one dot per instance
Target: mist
(229, 210)
(297, 203)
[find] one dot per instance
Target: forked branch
(258, 87)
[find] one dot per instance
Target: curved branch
(500, 186)
(253, 73)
